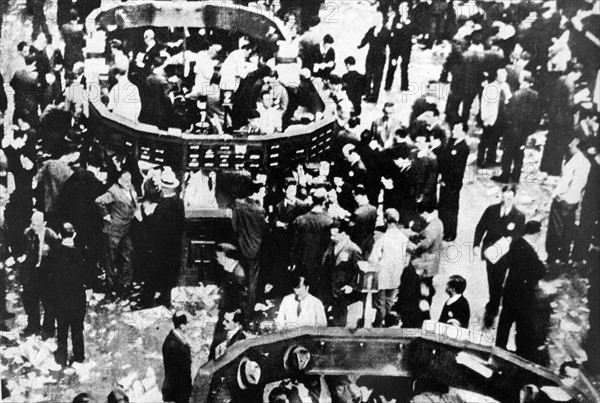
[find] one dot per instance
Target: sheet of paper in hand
(495, 252)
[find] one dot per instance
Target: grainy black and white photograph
(300, 201)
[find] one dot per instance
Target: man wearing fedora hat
(170, 220)
(243, 385)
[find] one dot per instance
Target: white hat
(249, 373)
(506, 32)
(168, 179)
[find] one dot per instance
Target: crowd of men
(381, 205)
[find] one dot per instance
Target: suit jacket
(356, 87)
(288, 213)
(148, 59)
(76, 204)
(377, 45)
(364, 219)
(427, 256)
(425, 173)
(523, 113)
(170, 221)
(525, 269)
(249, 226)
(458, 310)
(74, 37)
(30, 271)
(357, 173)
(120, 204)
(400, 38)
(310, 241)
(492, 226)
(177, 360)
(27, 90)
(65, 266)
(452, 164)
(341, 260)
(157, 109)
(384, 129)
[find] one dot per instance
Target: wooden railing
(191, 152)
(402, 353)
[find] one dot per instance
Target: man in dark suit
(425, 174)
(250, 227)
(355, 170)
(145, 59)
(177, 359)
(310, 241)
(76, 205)
(498, 221)
(170, 220)
(66, 267)
(525, 269)
(341, 262)
(34, 275)
(157, 108)
(74, 37)
(400, 46)
(399, 182)
(232, 283)
(452, 164)
(523, 114)
(356, 84)
(274, 270)
(364, 219)
(378, 38)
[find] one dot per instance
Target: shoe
(500, 179)
(76, 359)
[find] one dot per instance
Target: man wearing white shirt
(124, 98)
(565, 201)
(235, 68)
(301, 308)
(205, 68)
(493, 103)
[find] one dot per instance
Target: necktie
(299, 309)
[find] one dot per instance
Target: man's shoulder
(518, 213)
(288, 299)
(315, 301)
(493, 207)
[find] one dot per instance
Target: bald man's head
(149, 37)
